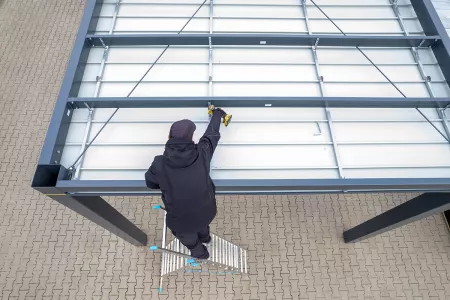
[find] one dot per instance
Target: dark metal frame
(261, 39)
(83, 196)
(123, 102)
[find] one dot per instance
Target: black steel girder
(218, 39)
(127, 102)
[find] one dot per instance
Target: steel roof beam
(265, 186)
(388, 102)
(261, 39)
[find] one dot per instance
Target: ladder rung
(223, 253)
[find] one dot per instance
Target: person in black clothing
(182, 175)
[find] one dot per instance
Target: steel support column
(97, 210)
(415, 209)
(92, 207)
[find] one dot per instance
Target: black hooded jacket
(182, 175)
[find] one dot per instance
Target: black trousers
(193, 240)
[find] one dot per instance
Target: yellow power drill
(226, 118)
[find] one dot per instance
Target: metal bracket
(71, 172)
(433, 44)
(319, 130)
(103, 43)
(105, 53)
(416, 54)
(421, 43)
(73, 105)
(316, 44)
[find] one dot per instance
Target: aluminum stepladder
(223, 255)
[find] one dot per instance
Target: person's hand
(222, 112)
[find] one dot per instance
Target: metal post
(113, 22)
(245, 261)
(242, 261)
(163, 254)
(322, 93)
(100, 73)
(415, 209)
(230, 255)
(87, 132)
(93, 208)
(415, 54)
(221, 251)
(210, 56)
(178, 258)
(335, 145)
(96, 93)
(100, 212)
(216, 247)
(237, 257)
(84, 141)
(170, 262)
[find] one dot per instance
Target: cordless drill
(226, 117)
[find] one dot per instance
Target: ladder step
(221, 254)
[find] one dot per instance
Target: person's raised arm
(210, 139)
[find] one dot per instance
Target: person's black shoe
(206, 240)
(202, 255)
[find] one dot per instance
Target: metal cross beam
(189, 39)
(263, 186)
(389, 102)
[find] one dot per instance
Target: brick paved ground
(295, 244)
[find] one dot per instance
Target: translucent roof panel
(260, 71)
(271, 143)
(256, 16)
